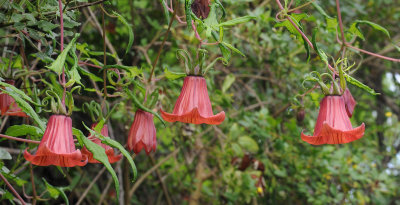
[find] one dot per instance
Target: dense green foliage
(263, 94)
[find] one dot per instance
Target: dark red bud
(300, 115)
(201, 8)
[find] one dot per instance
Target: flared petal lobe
(8, 106)
(142, 134)
(57, 146)
(112, 157)
(194, 105)
(349, 102)
(333, 124)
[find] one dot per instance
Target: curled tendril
(94, 110)
(184, 55)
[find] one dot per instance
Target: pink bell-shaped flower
(333, 124)
(112, 157)
(57, 146)
(142, 133)
(194, 105)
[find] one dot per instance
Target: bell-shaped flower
(57, 146)
(193, 105)
(112, 157)
(8, 106)
(349, 102)
(333, 124)
(142, 133)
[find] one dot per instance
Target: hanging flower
(333, 124)
(57, 146)
(8, 106)
(349, 102)
(109, 150)
(142, 133)
(193, 104)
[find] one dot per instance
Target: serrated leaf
(130, 31)
(58, 64)
(23, 130)
(331, 24)
(360, 85)
(354, 28)
(233, 48)
(99, 153)
(236, 21)
(46, 25)
(320, 52)
(173, 75)
(90, 75)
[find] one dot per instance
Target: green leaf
(56, 191)
(320, 10)
(229, 79)
(115, 144)
(99, 153)
(248, 144)
(236, 21)
(320, 52)
(360, 85)
(233, 48)
(89, 74)
(58, 64)
(331, 24)
(165, 9)
(4, 154)
(354, 28)
(173, 75)
(20, 100)
(188, 13)
(130, 31)
(23, 130)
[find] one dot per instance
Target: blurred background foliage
(256, 156)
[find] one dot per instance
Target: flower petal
(329, 135)
(45, 157)
(194, 117)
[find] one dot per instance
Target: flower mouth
(330, 135)
(45, 157)
(194, 117)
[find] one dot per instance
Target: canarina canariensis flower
(142, 133)
(193, 105)
(112, 157)
(57, 145)
(333, 124)
(8, 106)
(349, 102)
(201, 8)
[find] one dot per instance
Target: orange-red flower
(109, 150)
(142, 133)
(57, 145)
(333, 124)
(349, 102)
(8, 106)
(193, 104)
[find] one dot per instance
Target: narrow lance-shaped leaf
(26, 108)
(130, 31)
(23, 130)
(55, 192)
(99, 153)
(236, 21)
(360, 85)
(58, 64)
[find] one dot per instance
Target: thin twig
(164, 187)
(104, 193)
(340, 21)
(151, 170)
(12, 189)
(90, 186)
(162, 45)
(20, 139)
(3, 123)
(33, 184)
(373, 54)
(61, 49)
